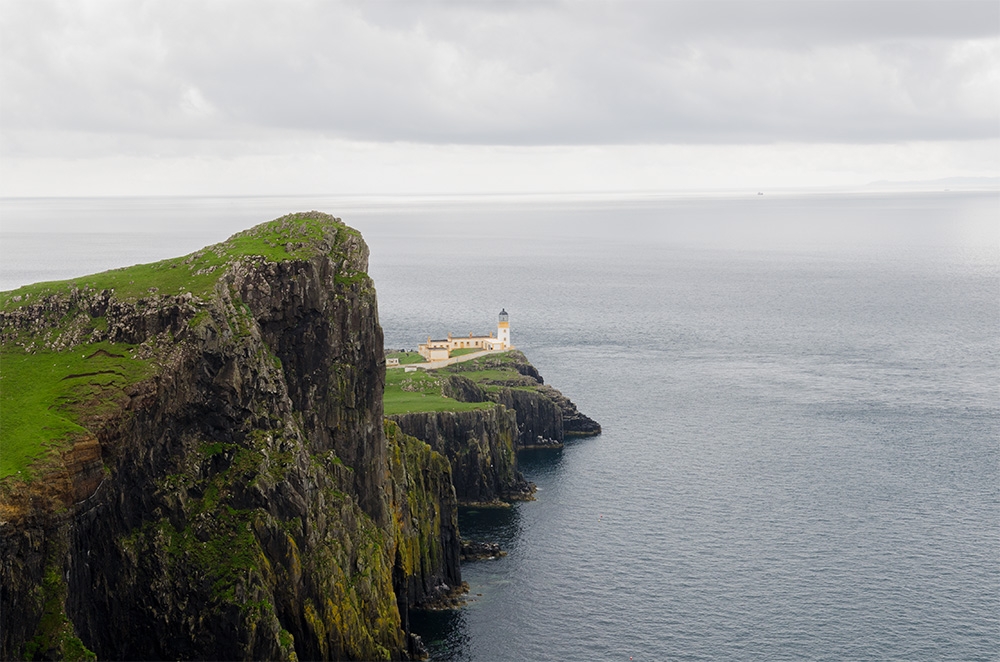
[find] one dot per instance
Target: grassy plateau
(420, 391)
(47, 397)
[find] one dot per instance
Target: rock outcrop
(481, 446)
(544, 415)
(538, 417)
(574, 423)
(239, 496)
(478, 551)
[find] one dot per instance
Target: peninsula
(197, 461)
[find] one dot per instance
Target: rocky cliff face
(241, 498)
(428, 546)
(538, 418)
(481, 446)
(543, 413)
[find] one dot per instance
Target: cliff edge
(481, 412)
(196, 463)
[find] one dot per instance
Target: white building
(436, 350)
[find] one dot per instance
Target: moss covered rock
(220, 485)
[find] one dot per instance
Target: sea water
(800, 398)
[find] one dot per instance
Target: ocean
(800, 397)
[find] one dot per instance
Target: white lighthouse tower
(503, 330)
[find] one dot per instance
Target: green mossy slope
(59, 369)
(292, 237)
(48, 396)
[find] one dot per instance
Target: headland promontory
(198, 461)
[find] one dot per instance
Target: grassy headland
(493, 371)
(420, 391)
(423, 390)
(58, 373)
(291, 237)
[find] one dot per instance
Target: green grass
(295, 236)
(406, 358)
(420, 391)
(465, 350)
(45, 396)
(490, 374)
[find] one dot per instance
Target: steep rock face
(248, 506)
(574, 422)
(428, 545)
(231, 499)
(480, 445)
(537, 415)
(319, 319)
(543, 413)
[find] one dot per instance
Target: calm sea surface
(800, 398)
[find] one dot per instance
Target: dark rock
(477, 551)
(537, 415)
(463, 389)
(574, 423)
(480, 444)
(543, 443)
(416, 648)
(245, 501)
(444, 597)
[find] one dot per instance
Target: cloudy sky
(312, 97)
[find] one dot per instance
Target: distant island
(207, 458)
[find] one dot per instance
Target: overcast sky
(245, 97)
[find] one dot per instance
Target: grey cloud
(505, 73)
(788, 21)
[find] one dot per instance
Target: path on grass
(434, 365)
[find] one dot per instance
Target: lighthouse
(503, 330)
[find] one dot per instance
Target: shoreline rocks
(479, 551)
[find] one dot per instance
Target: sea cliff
(481, 446)
(521, 412)
(543, 413)
(196, 462)
(217, 481)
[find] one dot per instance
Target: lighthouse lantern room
(503, 330)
